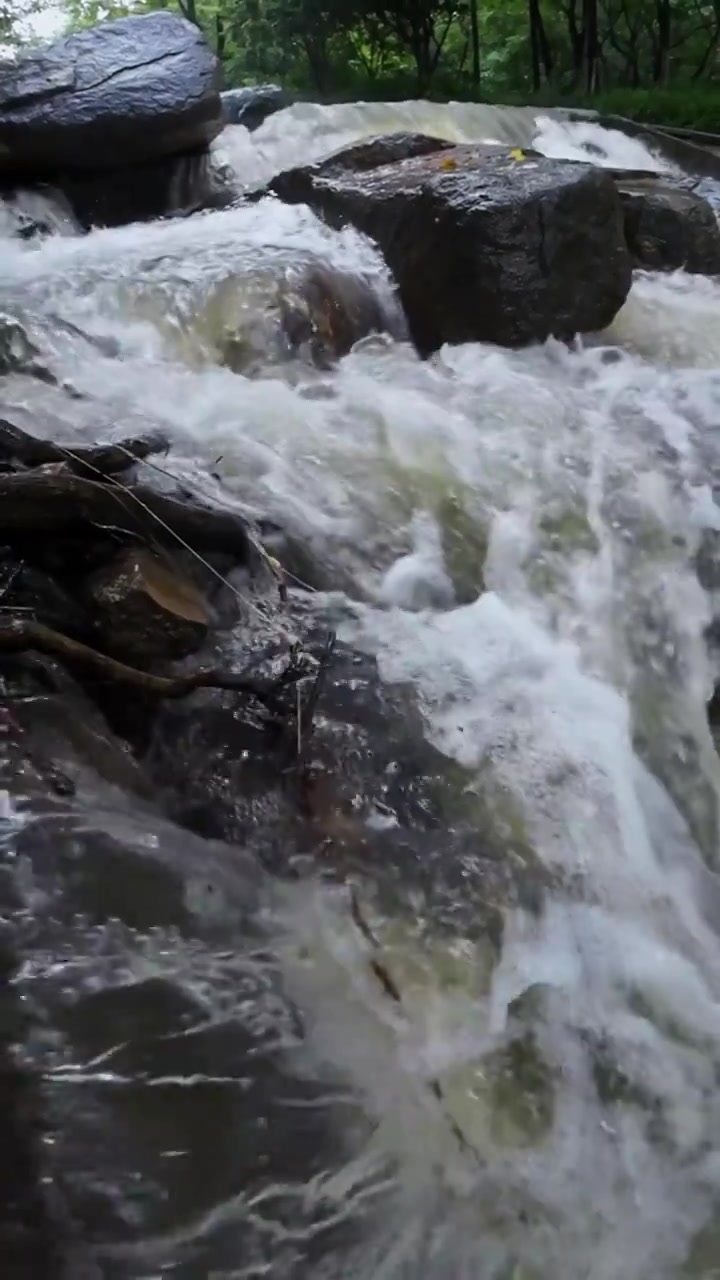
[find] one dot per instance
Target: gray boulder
(124, 92)
(486, 244)
(252, 105)
(668, 228)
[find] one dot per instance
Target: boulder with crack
(105, 114)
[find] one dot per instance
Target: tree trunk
(541, 52)
(661, 67)
(220, 35)
(475, 44)
(591, 49)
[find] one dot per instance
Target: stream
(513, 538)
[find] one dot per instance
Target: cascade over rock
(486, 244)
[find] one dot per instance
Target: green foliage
(654, 60)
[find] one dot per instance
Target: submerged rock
(124, 92)
(252, 105)
(327, 311)
(303, 308)
(487, 245)
(30, 215)
(669, 229)
(18, 352)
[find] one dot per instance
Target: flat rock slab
(126, 91)
(486, 244)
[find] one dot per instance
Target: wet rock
(32, 215)
(18, 352)
(37, 1237)
(173, 186)
(306, 308)
(147, 609)
(83, 833)
(251, 106)
(380, 801)
(668, 229)
(328, 311)
(296, 185)
(479, 241)
(124, 92)
(28, 591)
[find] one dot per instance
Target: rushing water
(576, 486)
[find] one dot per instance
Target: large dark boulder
(297, 186)
(668, 228)
(252, 105)
(124, 92)
(486, 244)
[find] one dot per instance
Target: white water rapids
(572, 690)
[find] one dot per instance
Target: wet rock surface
(252, 105)
(172, 186)
(479, 240)
(307, 309)
(146, 609)
(669, 229)
(32, 215)
(123, 92)
(297, 185)
(119, 119)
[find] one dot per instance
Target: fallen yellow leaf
(449, 163)
(517, 154)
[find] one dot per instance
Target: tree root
(17, 445)
(19, 636)
(34, 501)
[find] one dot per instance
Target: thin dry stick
(308, 711)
